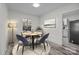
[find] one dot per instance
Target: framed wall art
(50, 23)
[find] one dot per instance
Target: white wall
(18, 17)
(3, 28)
(56, 33)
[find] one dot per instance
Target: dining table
(33, 35)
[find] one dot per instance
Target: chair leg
(36, 45)
(30, 46)
(17, 47)
(44, 46)
(22, 49)
(47, 43)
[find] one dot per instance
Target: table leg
(33, 42)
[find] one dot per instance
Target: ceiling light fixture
(36, 5)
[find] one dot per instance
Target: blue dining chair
(42, 40)
(24, 42)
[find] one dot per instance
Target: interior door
(74, 32)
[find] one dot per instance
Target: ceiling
(29, 9)
(75, 12)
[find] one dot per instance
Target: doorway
(74, 32)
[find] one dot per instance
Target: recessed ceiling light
(36, 5)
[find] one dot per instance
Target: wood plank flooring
(71, 49)
(63, 50)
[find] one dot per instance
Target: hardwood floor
(55, 49)
(63, 50)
